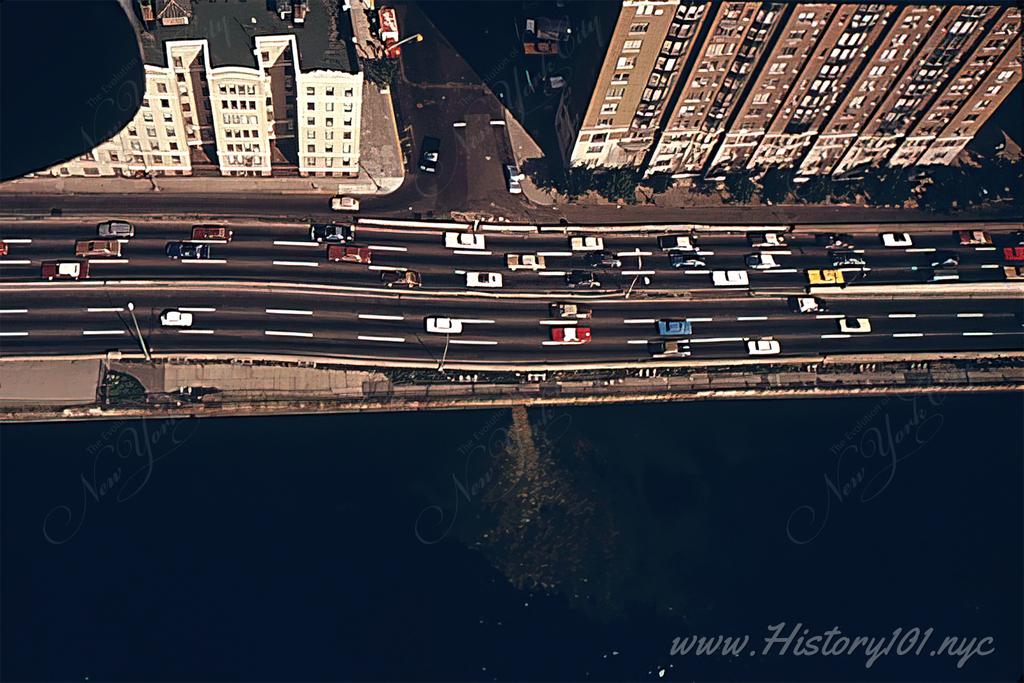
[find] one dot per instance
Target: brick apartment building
(246, 88)
(824, 88)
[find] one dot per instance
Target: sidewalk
(525, 149)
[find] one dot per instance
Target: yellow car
(825, 277)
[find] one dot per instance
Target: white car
(339, 203)
(896, 239)
(176, 318)
(438, 325)
(525, 262)
(729, 278)
(763, 347)
(586, 243)
(463, 240)
(854, 325)
(767, 239)
(677, 243)
(474, 279)
(761, 261)
(513, 178)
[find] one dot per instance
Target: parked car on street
(525, 262)
(116, 229)
(188, 250)
(763, 347)
(668, 347)
(1013, 272)
(569, 310)
(212, 232)
(973, 237)
(512, 178)
(430, 151)
(586, 243)
(769, 240)
(348, 253)
(677, 243)
(65, 270)
(339, 203)
(331, 232)
(98, 248)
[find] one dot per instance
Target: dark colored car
(430, 152)
(834, 240)
(331, 232)
(581, 278)
(683, 260)
(603, 259)
(188, 250)
(944, 259)
(844, 259)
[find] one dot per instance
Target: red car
(338, 252)
(389, 31)
(65, 270)
(3, 248)
(211, 232)
(570, 335)
(1013, 253)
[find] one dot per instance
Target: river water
(563, 544)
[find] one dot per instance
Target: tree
(578, 181)
(816, 190)
(382, 72)
(884, 186)
(702, 186)
(776, 184)
(619, 183)
(740, 186)
(659, 182)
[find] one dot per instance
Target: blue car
(674, 328)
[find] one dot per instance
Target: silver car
(122, 229)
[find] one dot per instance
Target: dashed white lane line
(198, 310)
(568, 322)
(637, 341)
(370, 337)
(989, 265)
(202, 261)
(978, 334)
(378, 247)
(903, 315)
(907, 334)
(697, 272)
(92, 332)
(16, 240)
(473, 342)
(554, 253)
(700, 320)
(701, 252)
(835, 336)
(751, 317)
(287, 311)
(374, 316)
(285, 333)
(984, 249)
(471, 252)
(636, 252)
(920, 250)
(397, 268)
(970, 315)
(776, 252)
(289, 243)
(13, 334)
(638, 321)
(549, 273)
(829, 316)
(111, 309)
(307, 264)
(195, 331)
(638, 272)
(13, 310)
(476, 321)
(108, 260)
(714, 340)
(780, 270)
(15, 262)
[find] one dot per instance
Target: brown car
(97, 248)
(394, 278)
(338, 252)
(211, 232)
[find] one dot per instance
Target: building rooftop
(230, 27)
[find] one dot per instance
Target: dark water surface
(435, 546)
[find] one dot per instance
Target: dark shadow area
(71, 77)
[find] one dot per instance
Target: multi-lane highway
(271, 290)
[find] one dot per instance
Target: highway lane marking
(195, 331)
(984, 249)
(550, 273)
(908, 334)
(108, 260)
(636, 252)
(697, 272)
(472, 342)
(16, 262)
(307, 264)
(638, 321)
(751, 317)
(16, 240)
(374, 316)
(285, 333)
(112, 309)
(554, 253)
(700, 320)
(712, 340)
(829, 316)
(287, 311)
(396, 268)
(203, 260)
(471, 252)
(476, 321)
(989, 265)
(197, 310)
(13, 310)
(777, 252)
(637, 341)
(977, 334)
(13, 334)
(704, 253)
(378, 247)
(970, 315)
(289, 243)
(638, 272)
(780, 270)
(552, 342)
(920, 250)
(571, 322)
(89, 332)
(835, 336)
(903, 315)
(368, 337)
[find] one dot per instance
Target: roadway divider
(400, 223)
(995, 289)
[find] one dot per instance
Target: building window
(638, 28)
(311, 135)
(161, 87)
(329, 135)
(620, 78)
(329, 122)
(632, 45)
(151, 132)
(347, 135)
(330, 106)
(311, 149)
(595, 149)
(349, 92)
(615, 93)
(609, 107)
(625, 62)
(329, 149)
(311, 121)
(777, 68)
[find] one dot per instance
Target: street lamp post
(138, 330)
(444, 354)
